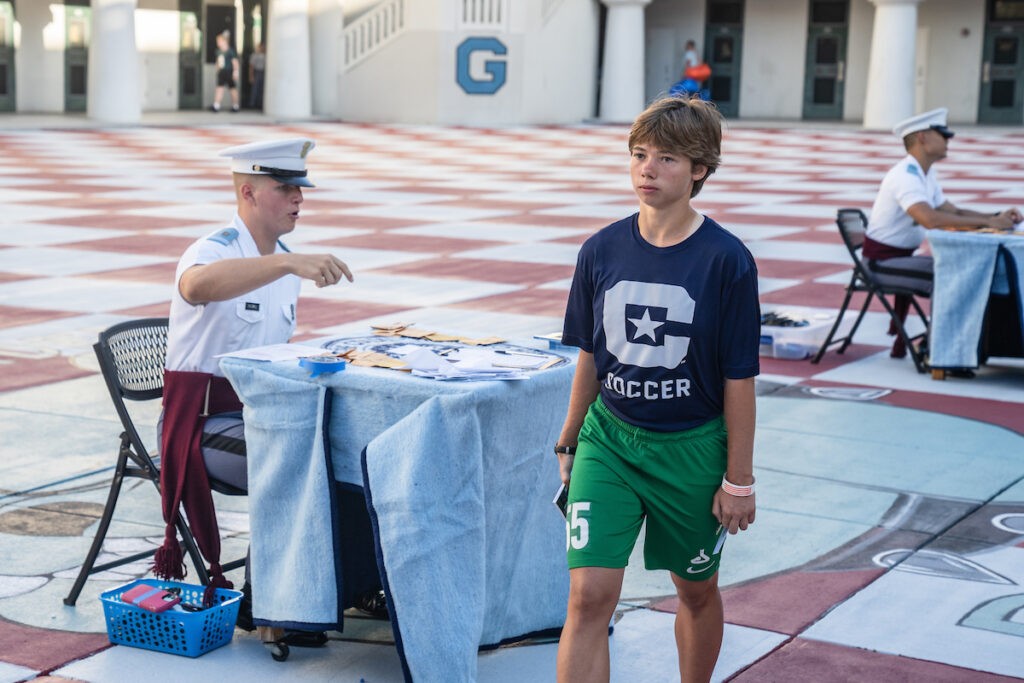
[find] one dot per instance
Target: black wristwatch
(568, 450)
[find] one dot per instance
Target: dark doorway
(254, 32)
(723, 46)
(77, 27)
(7, 98)
(1002, 68)
(826, 59)
(190, 55)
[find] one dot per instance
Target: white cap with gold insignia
(930, 120)
(282, 160)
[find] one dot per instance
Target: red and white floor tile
(476, 231)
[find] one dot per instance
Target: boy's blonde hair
(689, 127)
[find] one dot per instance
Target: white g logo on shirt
(651, 306)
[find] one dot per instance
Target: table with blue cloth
(976, 300)
(458, 479)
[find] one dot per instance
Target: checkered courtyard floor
(894, 532)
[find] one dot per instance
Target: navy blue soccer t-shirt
(667, 325)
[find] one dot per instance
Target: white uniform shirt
(263, 316)
(903, 186)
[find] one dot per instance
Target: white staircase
(372, 30)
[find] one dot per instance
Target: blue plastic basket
(181, 633)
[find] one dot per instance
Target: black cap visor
(285, 176)
(299, 181)
(943, 131)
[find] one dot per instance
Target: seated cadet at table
(910, 202)
(235, 288)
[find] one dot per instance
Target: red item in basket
(150, 598)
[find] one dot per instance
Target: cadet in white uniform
(910, 202)
(238, 287)
(235, 288)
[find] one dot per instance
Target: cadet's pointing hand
(322, 269)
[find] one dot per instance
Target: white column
(890, 93)
(622, 73)
(114, 93)
(288, 88)
(326, 40)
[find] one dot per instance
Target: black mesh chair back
(852, 225)
(131, 357)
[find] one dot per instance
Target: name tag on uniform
(249, 306)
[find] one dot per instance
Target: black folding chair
(852, 227)
(131, 357)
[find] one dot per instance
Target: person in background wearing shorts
(227, 73)
(660, 426)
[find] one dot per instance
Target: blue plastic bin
(181, 633)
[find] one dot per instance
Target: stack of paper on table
(468, 364)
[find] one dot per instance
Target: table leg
(272, 637)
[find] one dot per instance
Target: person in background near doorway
(257, 65)
(695, 73)
(690, 56)
(660, 425)
(227, 72)
(910, 202)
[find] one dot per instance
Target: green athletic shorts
(623, 474)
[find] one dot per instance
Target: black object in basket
(184, 632)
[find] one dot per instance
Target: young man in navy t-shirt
(660, 427)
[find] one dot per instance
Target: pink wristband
(734, 490)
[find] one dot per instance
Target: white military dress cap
(282, 160)
(930, 120)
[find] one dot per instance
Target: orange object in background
(699, 73)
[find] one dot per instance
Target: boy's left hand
(734, 513)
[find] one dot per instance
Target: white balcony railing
(483, 14)
(371, 31)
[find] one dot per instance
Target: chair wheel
(278, 650)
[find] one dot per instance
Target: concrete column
(890, 92)
(114, 94)
(622, 73)
(326, 40)
(288, 86)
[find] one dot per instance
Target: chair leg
(89, 567)
(856, 323)
(848, 339)
(835, 327)
(188, 541)
(101, 531)
(915, 355)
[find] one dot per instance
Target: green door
(190, 60)
(826, 60)
(1002, 75)
(723, 43)
(76, 56)
(7, 99)
(254, 32)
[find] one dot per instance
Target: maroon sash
(189, 398)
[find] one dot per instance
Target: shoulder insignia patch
(913, 170)
(283, 246)
(225, 236)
